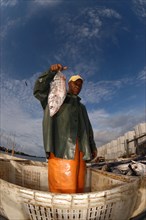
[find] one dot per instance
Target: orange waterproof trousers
(67, 176)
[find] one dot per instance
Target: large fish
(57, 93)
(139, 168)
(131, 169)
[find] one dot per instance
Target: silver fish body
(57, 93)
(139, 168)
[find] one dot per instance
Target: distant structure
(131, 143)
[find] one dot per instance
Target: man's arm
(92, 142)
(90, 133)
(42, 87)
(42, 84)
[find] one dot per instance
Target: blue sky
(103, 41)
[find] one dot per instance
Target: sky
(102, 40)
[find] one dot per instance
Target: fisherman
(68, 135)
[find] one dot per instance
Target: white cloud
(36, 6)
(11, 3)
(10, 24)
(142, 75)
(21, 115)
(105, 136)
(94, 92)
(109, 126)
(47, 2)
(86, 33)
(92, 25)
(140, 8)
(109, 13)
(8, 3)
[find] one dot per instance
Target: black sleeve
(89, 129)
(42, 87)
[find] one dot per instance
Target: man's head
(75, 84)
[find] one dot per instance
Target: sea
(43, 159)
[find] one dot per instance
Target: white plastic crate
(131, 145)
(121, 146)
(109, 148)
(139, 131)
(107, 199)
(101, 151)
(129, 135)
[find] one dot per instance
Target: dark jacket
(70, 123)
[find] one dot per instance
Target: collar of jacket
(69, 95)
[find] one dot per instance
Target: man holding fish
(67, 131)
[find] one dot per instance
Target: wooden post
(136, 145)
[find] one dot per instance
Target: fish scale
(57, 93)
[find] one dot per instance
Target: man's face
(75, 86)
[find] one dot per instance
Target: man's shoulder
(82, 105)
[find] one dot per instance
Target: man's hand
(57, 67)
(94, 154)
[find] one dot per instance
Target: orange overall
(67, 176)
